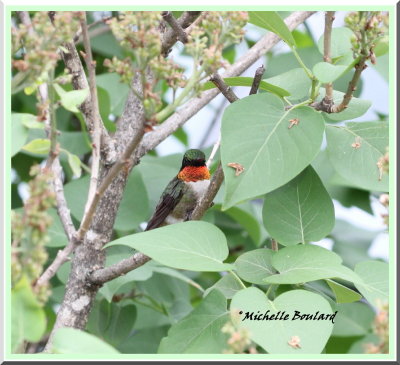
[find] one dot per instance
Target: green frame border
(392, 188)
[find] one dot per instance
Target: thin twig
(189, 29)
(257, 79)
(329, 18)
(179, 31)
(96, 113)
(226, 90)
(77, 37)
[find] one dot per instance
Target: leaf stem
(168, 110)
(238, 279)
(305, 68)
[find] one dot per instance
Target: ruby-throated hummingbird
(183, 192)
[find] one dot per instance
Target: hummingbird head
(195, 158)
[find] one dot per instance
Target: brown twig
(274, 245)
(77, 37)
(329, 18)
(169, 38)
(90, 64)
(257, 79)
(179, 31)
(226, 90)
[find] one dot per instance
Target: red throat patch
(194, 173)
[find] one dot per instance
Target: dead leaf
(294, 342)
(357, 143)
(293, 122)
(237, 166)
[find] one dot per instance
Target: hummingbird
(183, 192)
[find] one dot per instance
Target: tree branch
(170, 125)
(179, 31)
(226, 90)
(91, 66)
(170, 37)
(257, 79)
(329, 18)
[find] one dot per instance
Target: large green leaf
(274, 335)
(72, 341)
(248, 81)
(302, 263)
(254, 266)
(38, 146)
(28, 317)
(356, 108)
(196, 246)
(340, 42)
(300, 211)
(256, 134)
(353, 319)
(271, 21)
(375, 287)
(200, 331)
(355, 150)
(295, 81)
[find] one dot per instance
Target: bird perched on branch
(183, 192)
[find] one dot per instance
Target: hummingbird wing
(168, 201)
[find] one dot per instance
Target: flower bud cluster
(368, 27)
(381, 329)
(30, 231)
(39, 48)
(239, 341)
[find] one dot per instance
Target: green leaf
(19, 133)
(274, 335)
(303, 40)
(74, 142)
(248, 81)
(71, 100)
(327, 72)
(145, 341)
(270, 152)
(254, 266)
(353, 319)
(382, 46)
(39, 146)
(75, 164)
(117, 90)
(200, 331)
(271, 21)
(228, 285)
(355, 149)
(295, 81)
(340, 42)
(300, 211)
(28, 120)
(375, 286)
(27, 315)
(303, 263)
(195, 246)
(57, 237)
(356, 108)
(113, 322)
(342, 293)
(72, 341)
